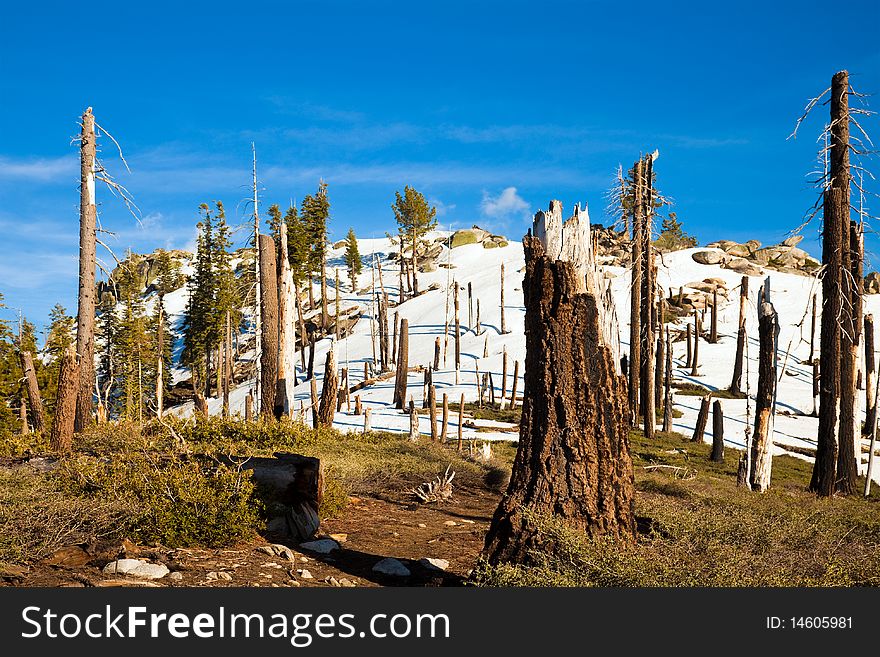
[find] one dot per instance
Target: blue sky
(490, 108)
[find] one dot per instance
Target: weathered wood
(329, 390)
(249, 407)
(635, 293)
(286, 327)
(85, 313)
(61, 438)
(503, 378)
(444, 425)
(432, 409)
(268, 325)
(813, 332)
(358, 408)
(573, 457)
(22, 416)
(402, 366)
(413, 421)
(835, 313)
(460, 421)
(479, 330)
(849, 450)
(695, 361)
(689, 359)
(35, 401)
(713, 327)
(762, 443)
(394, 343)
(514, 384)
(437, 353)
(702, 420)
(870, 376)
(717, 433)
(470, 306)
(648, 277)
(336, 309)
(457, 330)
(160, 362)
(367, 417)
(659, 379)
(667, 386)
(736, 381)
(313, 393)
(503, 316)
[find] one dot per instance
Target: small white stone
(176, 576)
(434, 564)
(305, 574)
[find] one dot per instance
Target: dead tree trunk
(402, 366)
(457, 333)
(667, 386)
(228, 370)
(85, 313)
(870, 376)
(702, 420)
(432, 409)
(470, 306)
(762, 443)
(816, 389)
(661, 364)
(413, 418)
(479, 329)
(713, 329)
(573, 458)
(503, 378)
(249, 408)
(813, 332)
(269, 326)
(65, 405)
(717, 432)
(503, 319)
(689, 360)
(313, 391)
(514, 384)
(445, 424)
(460, 421)
(160, 364)
(33, 392)
(648, 293)
(367, 413)
(22, 415)
(394, 343)
(695, 361)
(329, 390)
(635, 321)
(436, 353)
(736, 382)
(835, 219)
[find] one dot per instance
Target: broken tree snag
(648, 294)
(432, 406)
(286, 328)
(437, 353)
(470, 306)
(268, 326)
(394, 342)
(661, 364)
(816, 389)
(870, 376)
(667, 386)
(849, 453)
(573, 458)
(358, 409)
(836, 315)
(717, 432)
(762, 443)
(503, 378)
(460, 421)
(85, 313)
(367, 412)
(825, 465)
(249, 407)
(503, 320)
(695, 359)
(65, 405)
(444, 425)
(413, 421)
(479, 329)
(329, 389)
(689, 359)
(402, 366)
(313, 392)
(33, 392)
(635, 292)
(713, 329)
(736, 382)
(515, 381)
(702, 420)
(457, 331)
(812, 332)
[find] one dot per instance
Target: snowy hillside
(481, 267)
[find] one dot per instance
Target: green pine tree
(352, 258)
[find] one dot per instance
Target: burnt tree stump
(573, 460)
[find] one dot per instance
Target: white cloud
(505, 205)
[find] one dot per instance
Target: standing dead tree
(736, 382)
(765, 400)
(573, 458)
(503, 319)
(635, 321)
(717, 433)
(870, 376)
(35, 401)
(85, 314)
(648, 293)
(329, 390)
(269, 326)
(667, 386)
(402, 366)
(61, 439)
